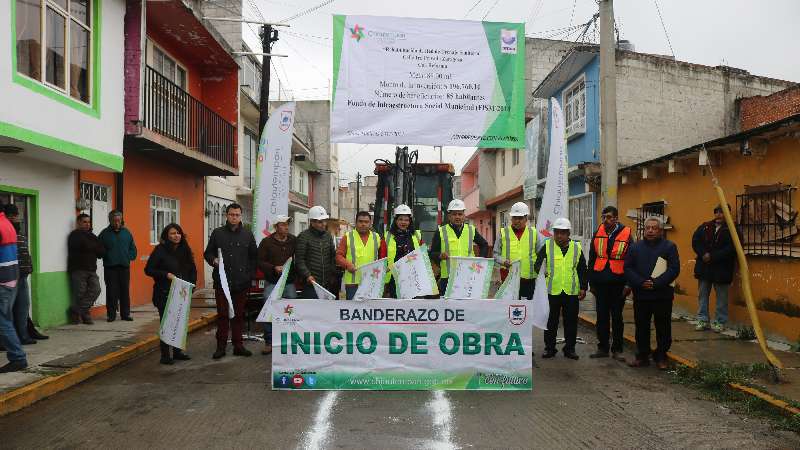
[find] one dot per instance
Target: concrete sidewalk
(76, 352)
(690, 347)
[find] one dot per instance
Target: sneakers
(14, 366)
(701, 326)
(717, 327)
(242, 352)
(599, 354)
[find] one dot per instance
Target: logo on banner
(508, 41)
(297, 380)
(357, 33)
(286, 120)
(517, 314)
(284, 381)
(311, 380)
(288, 310)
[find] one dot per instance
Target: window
(250, 156)
(163, 211)
(515, 157)
(168, 67)
(299, 180)
(581, 216)
(574, 101)
(502, 163)
(56, 35)
(251, 79)
(649, 210)
(767, 220)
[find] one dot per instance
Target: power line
(473, 7)
(308, 11)
(490, 9)
(664, 27)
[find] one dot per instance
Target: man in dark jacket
(610, 244)
(83, 251)
(239, 253)
(273, 252)
(651, 266)
(315, 257)
(120, 251)
(714, 266)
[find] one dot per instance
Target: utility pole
(608, 105)
(358, 192)
(268, 36)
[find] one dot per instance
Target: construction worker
(401, 239)
(566, 286)
(610, 244)
(518, 243)
(357, 248)
(455, 239)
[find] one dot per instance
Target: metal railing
(171, 112)
(767, 220)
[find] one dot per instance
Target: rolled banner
(223, 281)
(322, 293)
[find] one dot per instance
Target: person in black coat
(716, 261)
(172, 258)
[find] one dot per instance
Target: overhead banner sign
(402, 345)
(428, 82)
(271, 196)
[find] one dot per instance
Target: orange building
(181, 112)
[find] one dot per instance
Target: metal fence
(768, 221)
(649, 210)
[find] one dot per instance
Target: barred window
(163, 211)
(647, 210)
(767, 219)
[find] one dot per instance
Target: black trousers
(660, 311)
(565, 306)
(118, 280)
(609, 303)
(526, 288)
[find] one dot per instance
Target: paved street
(225, 404)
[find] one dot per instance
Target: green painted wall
(51, 298)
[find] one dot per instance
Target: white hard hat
(519, 209)
(456, 205)
(317, 213)
(282, 219)
(562, 223)
(402, 209)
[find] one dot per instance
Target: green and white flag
(322, 293)
(413, 275)
(428, 81)
(509, 290)
(469, 278)
(175, 322)
(372, 277)
(276, 294)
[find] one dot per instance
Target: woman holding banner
(401, 239)
(172, 258)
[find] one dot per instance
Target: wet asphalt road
(226, 404)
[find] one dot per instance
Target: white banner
(413, 275)
(554, 204)
(509, 290)
(322, 293)
(175, 323)
(372, 280)
(387, 344)
(428, 81)
(271, 194)
(223, 281)
(469, 278)
(276, 294)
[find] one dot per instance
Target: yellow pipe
(744, 272)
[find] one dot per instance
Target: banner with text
(413, 275)
(402, 345)
(470, 277)
(372, 280)
(428, 81)
(175, 323)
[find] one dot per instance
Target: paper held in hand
(175, 323)
(277, 293)
(509, 290)
(322, 293)
(223, 281)
(660, 269)
(413, 275)
(372, 280)
(469, 278)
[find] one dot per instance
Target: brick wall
(763, 109)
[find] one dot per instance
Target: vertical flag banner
(509, 290)
(223, 280)
(372, 280)
(175, 323)
(469, 278)
(413, 275)
(271, 195)
(428, 81)
(276, 294)
(554, 204)
(322, 293)
(531, 159)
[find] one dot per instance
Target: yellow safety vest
(391, 249)
(359, 253)
(522, 249)
(562, 269)
(455, 246)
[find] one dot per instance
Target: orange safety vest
(618, 251)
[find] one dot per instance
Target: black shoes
(571, 355)
(166, 360)
(34, 333)
(549, 354)
(178, 355)
(27, 341)
(599, 354)
(111, 319)
(87, 319)
(242, 352)
(14, 366)
(219, 353)
(128, 319)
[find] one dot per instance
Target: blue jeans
(350, 291)
(289, 291)
(8, 335)
(703, 294)
(21, 308)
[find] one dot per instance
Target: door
(98, 204)
(581, 215)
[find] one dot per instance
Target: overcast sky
(761, 37)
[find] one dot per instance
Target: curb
(29, 394)
(783, 406)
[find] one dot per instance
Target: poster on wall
(428, 82)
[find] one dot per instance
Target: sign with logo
(175, 322)
(372, 280)
(509, 290)
(469, 278)
(413, 275)
(428, 81)
(382, 344)
(276, 294)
